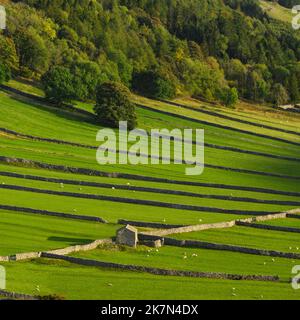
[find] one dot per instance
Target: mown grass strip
(150, 190)
(208, 145)
(135, 201)
(267, 227)
(79, 282)
(25, 232)
(250, 237)
(192, 259)
(91, 115)
(118, 175)
(158, 271)
(226, 247)
(223, 116)
(218, 125)
(52, 213)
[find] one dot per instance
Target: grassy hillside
(258, 173)
(86, 282)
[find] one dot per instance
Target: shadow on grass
(64, 112)
(71, 241)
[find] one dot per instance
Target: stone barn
(127, 236)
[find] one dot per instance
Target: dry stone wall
(193, 228)
(223, 116)
(97, 173)
(252, 133)
(268, 227)
(84, 247)
(226, 247)
(146, 189)
(202, 227)
(34, 255)
(134, 201)
(157, 271)
(92, 116)
(17, 296)
(53, 214)
(44, 101)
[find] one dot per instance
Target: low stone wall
(255, 153)
(252, 133)
(209, 145)
(4, 258)
(146, 189)
(22, 135)
(91, 115)
(267, 217)
(225, 247)
(223, 116)
(53, 214)
(44, 101)
(294, 211)
(187, 229)
(294, 216)
(160, 158)
(150, 237)
(25, 256)
(97, 173)
(267, 227)
(134, 201)
(87, 113)
(153, 225)
(254, 172)
(84, 247)
(157, 271)
(34, 255)
(200, 227)
(17, 296)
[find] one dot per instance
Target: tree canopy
(199, 46)
(113, 105)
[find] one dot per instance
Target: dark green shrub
(58, 85)
(154, 85)
(113, 105)
(229, 97)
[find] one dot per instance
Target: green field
(264, 115)
(75, 282)
(276, 11)
(197, 260)
(291, 222)
(27, 232)
(248, 237)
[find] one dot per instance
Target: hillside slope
(54, 195)
(202, 48)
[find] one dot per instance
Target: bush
(58, 85)
(280, 95)
(229, 97)
(113, 105)
(154, 85)
(85, 79)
